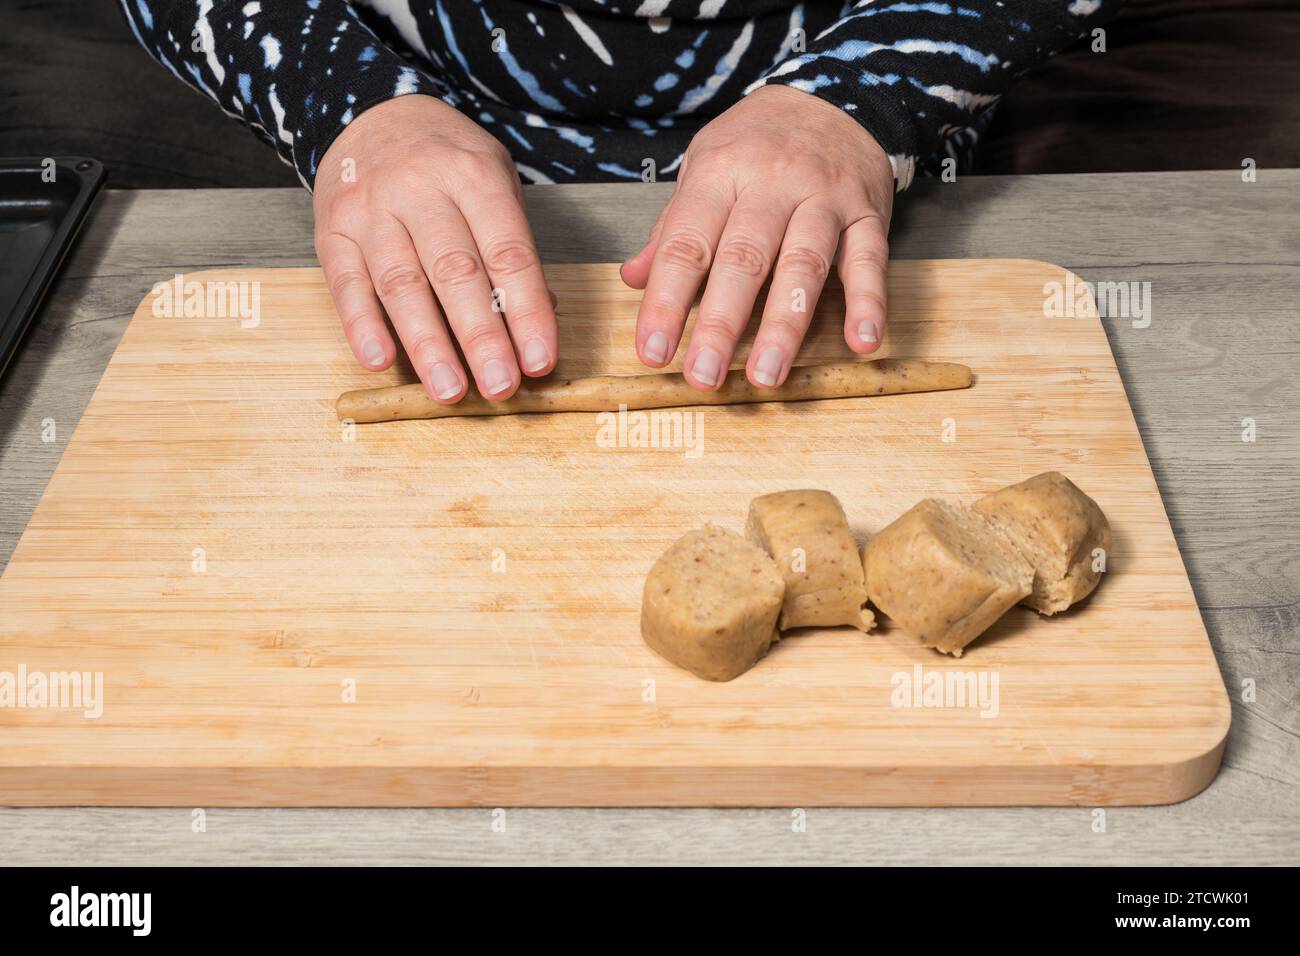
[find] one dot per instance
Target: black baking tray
(42, 205)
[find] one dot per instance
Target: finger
(501, 231)
(451, 260)
(748, 247)
(522, 198)
(797, 282)
(636, 270)
(864, 258)
(355, 301)
(682, 258)
(404, 290)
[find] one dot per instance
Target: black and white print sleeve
(923, 77)
(590, 90)
(295, 71)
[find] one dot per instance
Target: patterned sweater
(593, 90)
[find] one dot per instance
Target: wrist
(367, 119)
(377, 124)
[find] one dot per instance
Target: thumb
(636, 270)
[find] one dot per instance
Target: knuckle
(865, 300)
(715, 326)
(874, 256)
(744, 257)
(459, 166)
(344, 216)
(481, 339)
(354, 320)
(872, 249)
(501, 156)
(476, 162)
(510, 257)
(347, 283)
(489, 149)
(716, 156)
(527, 316)
(399, 280)
(805, 261)
(664, 309)
(783, 327)
(688, 250)
(427, 342)
(454, 266)
(783, 164)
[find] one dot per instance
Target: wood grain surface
(475, 585)
(1223, 261)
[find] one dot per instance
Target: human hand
(776, 179)
(431, 224)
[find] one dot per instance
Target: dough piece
(808, 537)
(710, 604)
(1056, 527)
(944, 574)
(662, 390)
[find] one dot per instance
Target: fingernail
(446, 383)
(867, 332)
(707, 367)
(656, 347)
(768, 368)
(496, 376)
(536, 355)
(372, 352)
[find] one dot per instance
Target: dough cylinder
(663, 390)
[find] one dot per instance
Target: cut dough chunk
(808, 537)
(944, 574)
(1057, 528)
(710, 604)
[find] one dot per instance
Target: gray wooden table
(1223, 260)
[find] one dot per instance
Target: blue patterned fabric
(596, 90)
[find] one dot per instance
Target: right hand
(420, 210)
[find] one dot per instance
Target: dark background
(1184, 84)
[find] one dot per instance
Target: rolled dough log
(710, 604)
(808, 537)
(665, 390)
(1057, 528)
(944, 574)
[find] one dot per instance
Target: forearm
(922, 77)
(295, 72)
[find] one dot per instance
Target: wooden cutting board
(286, 611)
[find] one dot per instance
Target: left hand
(776, 179)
